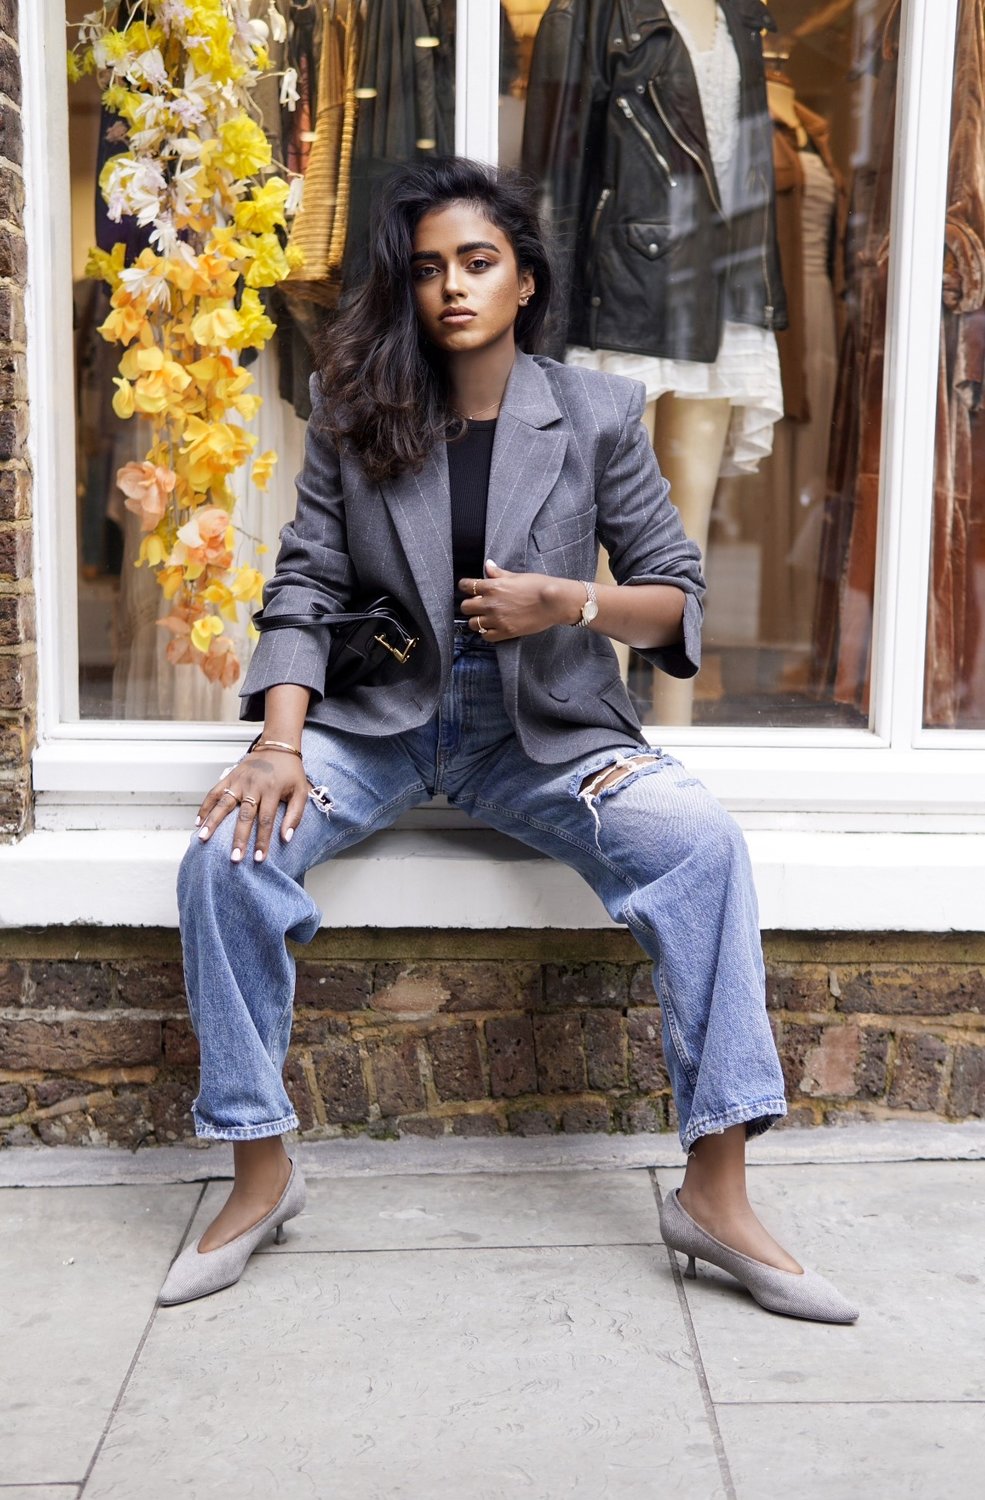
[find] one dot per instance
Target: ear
(526, 284)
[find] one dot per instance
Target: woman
(434, 442)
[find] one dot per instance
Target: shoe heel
(691, 1273)
(279, 1235)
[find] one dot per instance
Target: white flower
(289, 88)
(187, 111)
(277, 24)
(173, 13)
(148, 67)
(164, 236)
(149, 283)
(134, 187)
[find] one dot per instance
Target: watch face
(589, 610)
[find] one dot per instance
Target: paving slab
(353, 1156)
(79, 1271)
(427, 1213)
(922, 1451)
(556, 1373)
(38, 1491)
(905, 1242)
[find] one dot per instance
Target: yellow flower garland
(180, 77)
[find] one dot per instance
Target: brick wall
(17, 653)
(477, 1034)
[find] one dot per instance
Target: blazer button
(634, 36)
(652, 249)
(596, 301)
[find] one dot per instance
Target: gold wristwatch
(590, 608)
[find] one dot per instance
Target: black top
(469, 460)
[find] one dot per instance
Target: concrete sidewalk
(476, 1319)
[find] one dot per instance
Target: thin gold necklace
(471, 416)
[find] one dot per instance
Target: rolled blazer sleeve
(643, 535)
(313, 573)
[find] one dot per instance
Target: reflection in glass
(721, 204)
(954, 688)
(355, 87)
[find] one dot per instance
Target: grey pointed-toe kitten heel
(806, 1295)
(198, 1273)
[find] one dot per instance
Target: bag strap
(306, 622)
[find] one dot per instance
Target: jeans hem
(759, 1117)
(209, 1132)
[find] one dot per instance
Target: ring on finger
(480, 627)
(475, 588)
(251, 800)
(227, 793)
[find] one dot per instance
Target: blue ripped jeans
(663, 856)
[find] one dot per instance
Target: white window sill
(475, 879)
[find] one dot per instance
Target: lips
(458, 315)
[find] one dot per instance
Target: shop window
(954, 685)
(354, 87)
(722, 205)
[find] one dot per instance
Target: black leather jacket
(654, 252)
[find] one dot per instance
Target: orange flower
(147, 488)
(220, 664)
(206, 541)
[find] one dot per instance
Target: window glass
(721, 204)
(352, 87)
(954, 688)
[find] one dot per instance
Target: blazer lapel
(526, 460)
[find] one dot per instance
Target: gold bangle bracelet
(276, 745)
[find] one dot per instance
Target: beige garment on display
(320, 224)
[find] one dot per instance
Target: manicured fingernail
(237, 856)
(288, 835)
(197, 821)
(203, 833)
(258, 855)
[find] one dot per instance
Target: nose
(452, 286)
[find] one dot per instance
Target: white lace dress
(747, 370)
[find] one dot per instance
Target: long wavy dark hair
(385, 387)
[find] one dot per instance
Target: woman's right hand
(252, 791)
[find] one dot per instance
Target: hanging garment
(954, 689)
(657, 255)
(791, 501)
(746, 371)
(326, 176)
(797, 236)
(846, 569)
(402, 116)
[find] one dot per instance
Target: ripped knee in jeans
(321, 797)
(609, 778)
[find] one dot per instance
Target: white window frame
(896, 778)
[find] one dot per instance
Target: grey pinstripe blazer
(571, 465)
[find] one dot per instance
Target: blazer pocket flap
(552, 531)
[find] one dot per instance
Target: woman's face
(466, 282)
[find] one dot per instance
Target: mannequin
(706, 419)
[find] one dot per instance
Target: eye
(422, 273)
(479, 263)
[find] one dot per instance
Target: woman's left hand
(503, 606)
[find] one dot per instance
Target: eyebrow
(465, 249)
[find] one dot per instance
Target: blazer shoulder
(611, 399)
